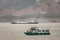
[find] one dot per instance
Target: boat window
(43, 30)
(38, 30)
(47, 30)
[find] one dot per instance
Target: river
(16, 31)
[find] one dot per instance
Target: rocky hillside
(29, 9)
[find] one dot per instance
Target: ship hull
(24, 23)
(30, 33)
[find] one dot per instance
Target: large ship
(35, 31)
(30, 22)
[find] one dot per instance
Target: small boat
(34, 31)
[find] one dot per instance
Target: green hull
(30, 33)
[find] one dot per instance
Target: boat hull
(30, 33)
(24, 23)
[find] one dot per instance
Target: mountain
(29, 9)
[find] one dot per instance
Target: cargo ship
(31, 22)
(34, 31)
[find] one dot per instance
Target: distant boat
(17, 22)
(43, 12)
(34, 31)
(53, 21)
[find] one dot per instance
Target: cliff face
(25, 9)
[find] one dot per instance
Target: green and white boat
(34, 31)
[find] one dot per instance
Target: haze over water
(16, 31)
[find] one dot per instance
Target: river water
(16, 31)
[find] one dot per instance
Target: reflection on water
(16, 32)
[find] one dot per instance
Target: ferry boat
(34, 31)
